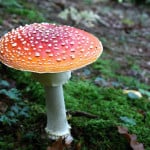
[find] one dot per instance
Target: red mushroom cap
(48, 48)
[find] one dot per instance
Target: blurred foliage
(15, 108)
(109, 70)
(138, 2)
(19, 7)
(10, 3)
(32, 15)
(87, 17)
(1, 20)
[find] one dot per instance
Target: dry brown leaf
(58, 145)
(122, 130)
(78, 146)
(132, 138)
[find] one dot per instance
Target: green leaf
(132, 95)
(10, 3)
(4, 83)
(144, 92)
(12, 93)
(127, 120)
(15, 109)
(11, 114)
(14, 120)
(5, 120)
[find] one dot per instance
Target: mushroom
(50, 52)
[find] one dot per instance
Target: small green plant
(17, 7)
(139, 2)
(32, 15)
(15, 108)
(9, 3)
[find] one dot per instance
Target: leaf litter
(60, 145)
(131, 138)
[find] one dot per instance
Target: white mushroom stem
(57, 124)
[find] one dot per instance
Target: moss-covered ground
(95, 98)
(109, 104)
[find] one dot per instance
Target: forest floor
(124, 30)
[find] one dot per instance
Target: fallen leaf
(58, 145)
(132, 138)
(122, 130)
(132, 94)
(78, 146)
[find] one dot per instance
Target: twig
(81, 113)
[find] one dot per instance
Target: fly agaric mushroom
(51, 52)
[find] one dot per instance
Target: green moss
(107, 67)
(9, 3)
(100, 134)
(31, 15)
(28, 12)
(109, 70)
(109, 105)
(105, 102)
(112, 107)
(131, 82)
